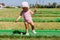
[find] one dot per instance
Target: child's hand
(16, 21)
(35, 10)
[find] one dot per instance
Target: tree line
(54, 5)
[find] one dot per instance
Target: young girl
(26, 13)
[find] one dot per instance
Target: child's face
(25, 9)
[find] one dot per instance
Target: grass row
(57, 19)
(38, 26)
(46, 15)
(48, 12)
(28, 38)
(40, 12)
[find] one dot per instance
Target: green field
(41, 12)
(35, 19)
(41, 35)
(38, 25)
(29, 38)
(44, 19)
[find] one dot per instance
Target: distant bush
(18, 6)
(58, 6)
(9, 7)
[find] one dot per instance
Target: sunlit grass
(15, 12)
(21, 26)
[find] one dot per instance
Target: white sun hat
(25, 4)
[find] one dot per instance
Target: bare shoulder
(21, 13)
(30, 10)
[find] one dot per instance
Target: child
(26, 13)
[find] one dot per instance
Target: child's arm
(32, 12)
(18, 18)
